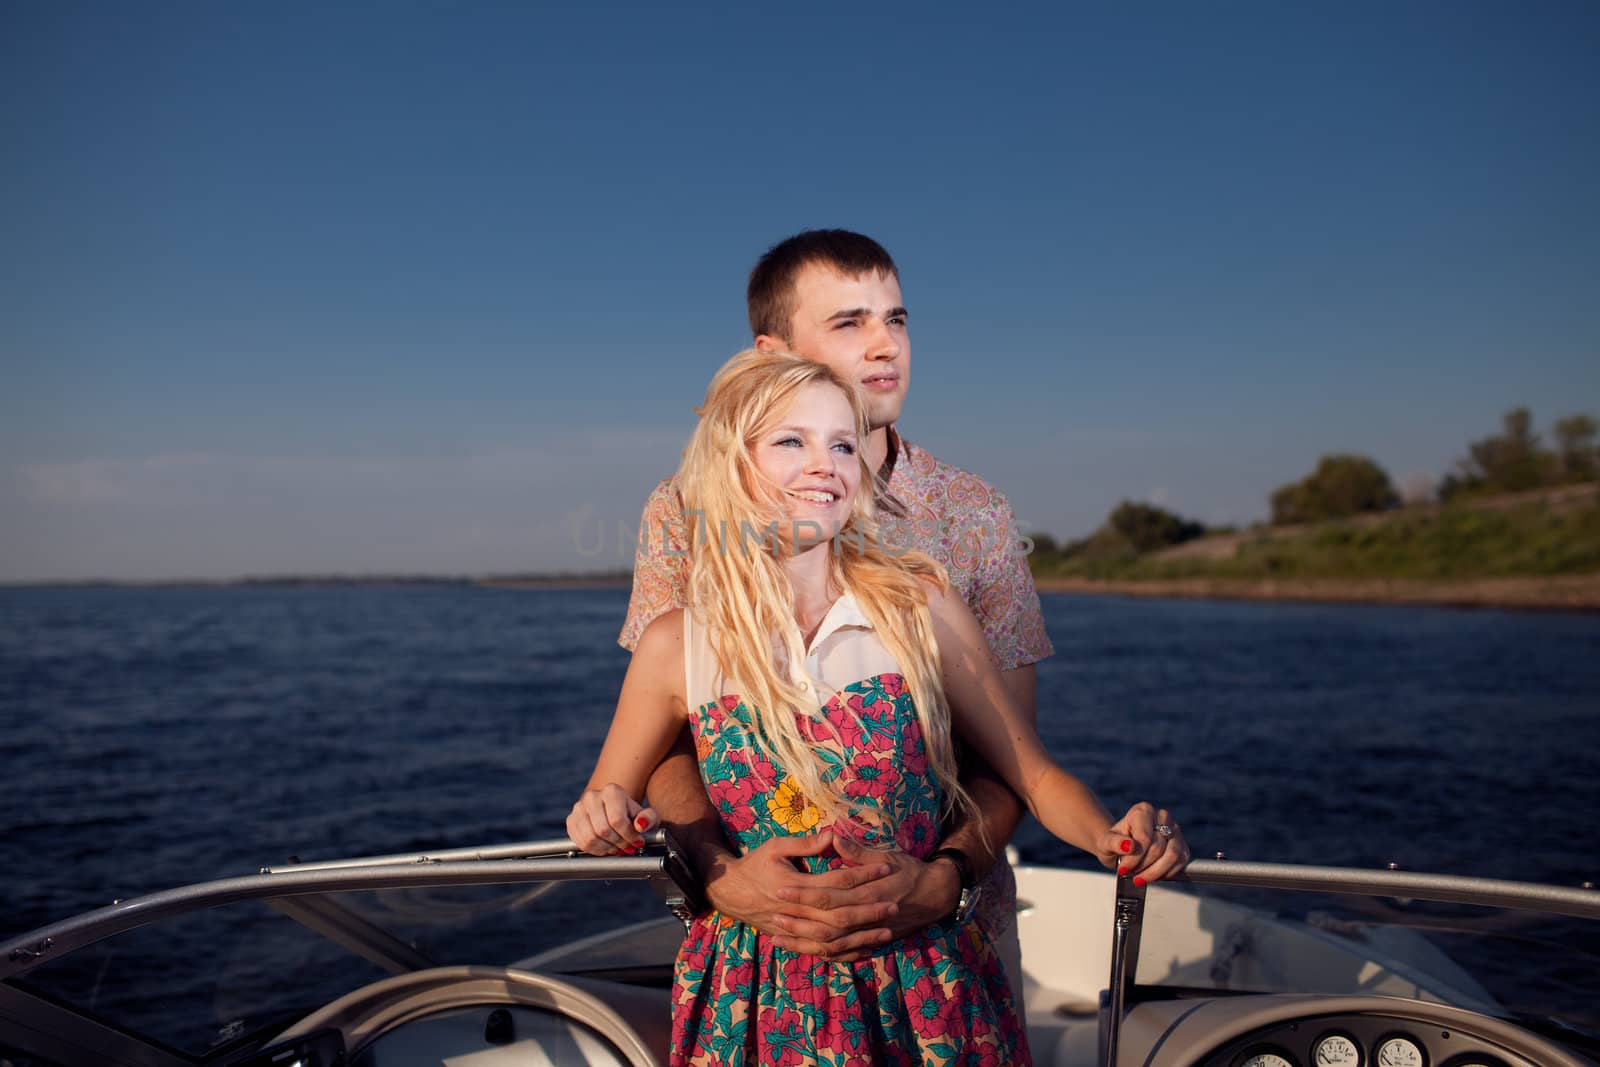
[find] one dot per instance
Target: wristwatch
(967, 902)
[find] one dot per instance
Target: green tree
(1044, 544)
(1147, 527)
(1578, 456)
(1507, 462)
(1341, 485)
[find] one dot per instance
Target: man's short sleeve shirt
(968, 526)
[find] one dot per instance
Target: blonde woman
(821, 673)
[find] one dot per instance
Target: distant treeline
(1346, 485)
(559, 578)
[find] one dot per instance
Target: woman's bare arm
(650, 713)
(984, 713)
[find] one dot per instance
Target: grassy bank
(1485, 551)
(1562, 592)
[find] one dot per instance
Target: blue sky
(433, 287)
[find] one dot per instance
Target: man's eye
(897, 320)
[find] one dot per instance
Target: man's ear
(765, 342)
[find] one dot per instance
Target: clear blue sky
(433, 287)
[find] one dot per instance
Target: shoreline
(1567, 592)
(576, 582)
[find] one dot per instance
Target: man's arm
(684, 808)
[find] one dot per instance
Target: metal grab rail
(519, 850)
(1445, 888)
(1128, 909)
(661, 865)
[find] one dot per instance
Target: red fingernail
(1120, 872)
(1127, 846)
(1138, 881)
(641, 823)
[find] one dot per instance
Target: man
(833, 296)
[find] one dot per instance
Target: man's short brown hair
(770, 295)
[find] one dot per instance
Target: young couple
(826, 681)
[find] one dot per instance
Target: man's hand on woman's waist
(840, 914)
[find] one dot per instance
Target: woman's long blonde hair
(740, 592)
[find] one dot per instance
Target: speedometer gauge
(1399, 1052)
(1336, 1050)
(1265, 1059)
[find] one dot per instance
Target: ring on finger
(1164, 829)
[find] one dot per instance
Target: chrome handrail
(1577, 903)
(520, 850)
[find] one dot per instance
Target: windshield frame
(309, 893)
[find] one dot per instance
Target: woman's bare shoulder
(657, 664)
(943, 600)
(662, 638)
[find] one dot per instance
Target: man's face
(857, 327)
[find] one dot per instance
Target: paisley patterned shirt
(954, 516)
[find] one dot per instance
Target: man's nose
(882, 344)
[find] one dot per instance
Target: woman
(866, 661)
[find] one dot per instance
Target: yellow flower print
(792, 810)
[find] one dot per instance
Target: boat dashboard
(482, 1017)
(1320, 1031)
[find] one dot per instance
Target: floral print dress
(937, 997)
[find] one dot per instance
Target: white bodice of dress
(845, 649)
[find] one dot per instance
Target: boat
(1204, 972)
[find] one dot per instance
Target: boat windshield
(1534, 967)
(205, 981)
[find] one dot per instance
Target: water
(153, 737)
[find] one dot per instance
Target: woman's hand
(607, 820)
(1146, 843)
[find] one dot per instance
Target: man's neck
(878, 450)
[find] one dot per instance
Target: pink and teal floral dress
(937, 997)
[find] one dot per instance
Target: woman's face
(809, 457)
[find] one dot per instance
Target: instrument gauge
(1399, 1052)
(1265, 1059)
(1336, 1050)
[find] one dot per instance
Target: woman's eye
(787, 441)
(846, 447)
